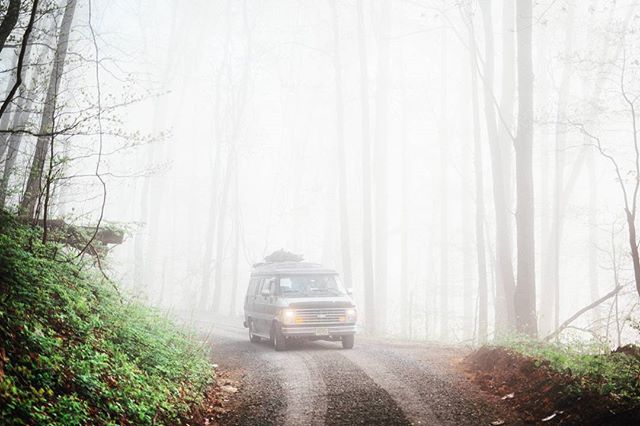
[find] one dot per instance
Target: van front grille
(321, 316)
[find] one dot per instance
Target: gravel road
(319, 383)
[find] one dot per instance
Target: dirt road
(318, 383)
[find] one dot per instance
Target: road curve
(319, 383)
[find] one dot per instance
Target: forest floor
(392, 382)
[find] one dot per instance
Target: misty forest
(253, 212)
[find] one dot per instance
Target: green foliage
(71, 353)
(594, 366)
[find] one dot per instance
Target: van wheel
(252, 337)
(279, 341)
(348, 341)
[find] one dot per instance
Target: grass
(72, 353)
(594, 366)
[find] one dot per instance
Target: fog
(363, 135)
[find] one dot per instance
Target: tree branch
(23, 50)
(582, 311)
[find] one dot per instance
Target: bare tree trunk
(210, 235)
(345, 246)
(633, 244)
(405, 303)
(7, 118)
(507, 99)
(380, 161)
(367, 208)
(479, 194)
(34, 182)
(551, 308)
(235, 261)
(444, 196)
(525, 294)
(505, 313)
(12, 141)
(9, 22)
(220, 241)
(593, 236)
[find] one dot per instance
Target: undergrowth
(73, 353)
(594, 366)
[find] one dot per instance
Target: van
(298, 300)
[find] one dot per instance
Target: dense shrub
(72, 353)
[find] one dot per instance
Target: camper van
(298, 300)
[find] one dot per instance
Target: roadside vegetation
(73, 351)
(594, 366)
(577, 382)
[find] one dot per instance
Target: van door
(262, 305)
(271, 308)
(249, 299)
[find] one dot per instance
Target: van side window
(258, 285)
(252, 287)
(273, 284)
(268, 283)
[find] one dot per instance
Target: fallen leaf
(228, 389)
(508, 396)
(498, 422)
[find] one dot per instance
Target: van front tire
(348, 341)
(279, 341)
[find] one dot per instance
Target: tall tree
(380, 159)
(505, 313)
(11, 142)
(525, 293)
(405, 304)
(367, 208)
(443, 147)
(550, 310)
(479, 192)
(593, 236)
(238, 106)
(212, 220)
(9, 22)
(33, 187)
(345, 246)
(235, 256)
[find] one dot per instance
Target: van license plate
(322, 331)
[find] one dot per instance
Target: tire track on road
(416, 410)
(304, 389)
(353, 398)
(449, 398)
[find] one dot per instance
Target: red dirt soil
(540, 392)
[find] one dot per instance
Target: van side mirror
(265, 292)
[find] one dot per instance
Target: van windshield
(311, 286)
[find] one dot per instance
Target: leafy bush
(72, 353)
(595, 366)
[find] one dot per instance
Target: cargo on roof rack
(277, 268)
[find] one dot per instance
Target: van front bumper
(318, 330)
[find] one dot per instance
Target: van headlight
(288, 316)
(352, 315)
